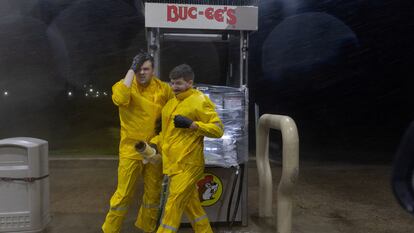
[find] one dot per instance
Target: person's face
(180, 85)
(145, 73)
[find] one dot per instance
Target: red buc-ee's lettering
(175, 13)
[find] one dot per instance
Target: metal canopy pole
(241, 58)
(154, 49)
(244, 45)
(246, 59)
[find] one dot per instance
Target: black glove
(182, 122)
(135, 62)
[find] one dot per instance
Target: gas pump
(223, 188)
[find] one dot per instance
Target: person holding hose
(186, 120)
(140, 96)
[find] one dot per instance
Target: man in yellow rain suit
(140, 97)
(186, 119)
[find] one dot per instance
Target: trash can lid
(22, 141)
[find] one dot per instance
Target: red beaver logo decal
(207, 188)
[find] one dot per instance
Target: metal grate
(14, 222)
(210, 2)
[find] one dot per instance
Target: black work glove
(135, 62)
(182, 122)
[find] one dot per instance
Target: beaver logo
(210, 189)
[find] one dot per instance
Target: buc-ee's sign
(166, 15)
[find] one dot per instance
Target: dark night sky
(341, 69)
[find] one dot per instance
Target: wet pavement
(329, 198)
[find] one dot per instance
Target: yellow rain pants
(183, 197)
(128, 172)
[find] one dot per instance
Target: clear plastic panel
(231, 105)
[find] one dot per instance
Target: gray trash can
(24, 185)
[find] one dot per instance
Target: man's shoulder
(169, 105)
(160, 82)
(199, 97)
(163, 86)
(171, 101)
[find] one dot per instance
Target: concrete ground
(329, 198)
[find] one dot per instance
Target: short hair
(182, 71)
(143, 57)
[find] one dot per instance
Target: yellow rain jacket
(182, 146)
(183, 158)
(139, 109)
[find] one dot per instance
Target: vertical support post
(242, 58)
(246, 58)
(154, 49)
